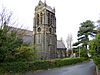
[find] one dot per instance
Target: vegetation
(69, 44)
(95, 45)
(12, 47)
(15, 56)
(86, 30)
(97, 61)
(95, 49)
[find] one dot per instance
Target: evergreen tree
(86, 30)
(12, 47)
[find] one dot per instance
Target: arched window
(48, 18)
(37, 19)
(50, 30)
(51, 19)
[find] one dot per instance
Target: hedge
(17, 67)
(97, 61)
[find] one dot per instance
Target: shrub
(97, 61)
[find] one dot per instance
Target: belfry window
(51, 19)
(48, 18)
(37, 19)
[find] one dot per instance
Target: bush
(97, 61)
(16, 67)
(83, 53)
(65, 62)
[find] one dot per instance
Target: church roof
(25, 34)
(60, 44)
(20, 30)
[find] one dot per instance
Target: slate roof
(60, 44)
(19, 30)
(26, 34)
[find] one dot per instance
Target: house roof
(60, 44)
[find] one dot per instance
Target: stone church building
(43, 36)
(44, 31)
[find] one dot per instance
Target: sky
(69, 14)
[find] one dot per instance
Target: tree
(69, 41)
(94, 45)
(10, 42)
(69, 44)
(86, 30)
(6, 17)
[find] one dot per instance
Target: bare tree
(69, 42)
(11, 38)
(7, 19)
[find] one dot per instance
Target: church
(43, 36)
(44, 31)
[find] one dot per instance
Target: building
(44, 31)
(61, 49)
(26, 35)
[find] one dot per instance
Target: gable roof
(19, 30)
(60, 44)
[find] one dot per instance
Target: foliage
(8, 43)
(11, 44)
(95, 50)
(94, 45)
(12, 47)
(65, 62)
(83, 53)
(97, 61)
(16, 67)
(86, 30)
(22, 53)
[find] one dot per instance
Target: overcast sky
(69, 13)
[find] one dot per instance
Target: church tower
(44, 31)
